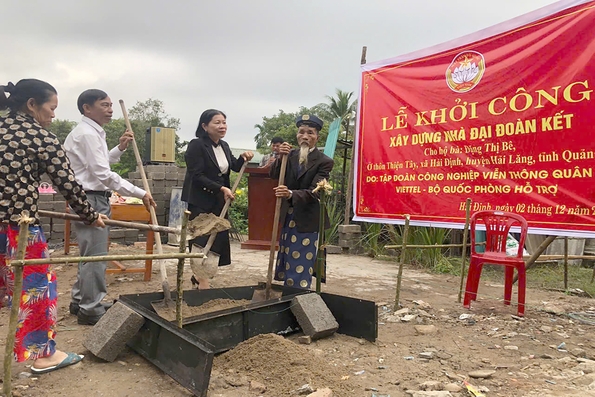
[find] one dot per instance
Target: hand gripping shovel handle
(213, 235)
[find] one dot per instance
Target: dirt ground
(545, 354)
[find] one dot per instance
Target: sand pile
(207, 307)
(284, 366)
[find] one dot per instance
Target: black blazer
(306, 205)
(204, 179)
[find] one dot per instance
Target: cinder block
(157, 190)
(45, 205)
(60, 206)
(314, 317)
(46, 197)
(117, 233)
(348, 243)
(156, 176)
(154, 168)
(171, 183)
(350, 236)
(171, 176)
(334, 249)
(109, 336)
(350, 229)
(58, 228)
(134, 175)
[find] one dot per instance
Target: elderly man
(90, 160)
(300, 210)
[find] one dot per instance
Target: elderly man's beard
(304, 151)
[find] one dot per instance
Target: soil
(207, 223)
(169, 313)
(539, 355)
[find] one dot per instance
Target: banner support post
(464, 250)
(404, 237)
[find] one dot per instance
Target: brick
(45, 205)
(156, 176)
(350, 236)
(334, 249)
(154, 168)
(157, 190)
(173, 183)
(60, 206)
(171, 176)
(134, 175)
(57, 228)
(111, 333)
(46, 197)
(313, 316)
(348, 243)
(131, 234)
(117, 234)
(350, 229)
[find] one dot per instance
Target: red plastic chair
(497, 225)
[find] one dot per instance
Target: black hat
(309, 120)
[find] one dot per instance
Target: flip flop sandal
(71, 359)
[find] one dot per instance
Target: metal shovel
(207, 267)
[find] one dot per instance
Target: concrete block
(173, 183)
(117, 234)
(45, 205)
(347, 243)
(314, 317)
(350, 229)
(46, 197)
(171, 176)
(334, 249)
(58, 228)
(134, 175)
(156, 176)
(109, 336)
(154, 168)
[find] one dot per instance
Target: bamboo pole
(16, 300)
(404, 236)
(464, 250)
(349, 192)
(180, 274)
(565, 263)
(111, 222)
(531, 262)
(430, 246)
(106, 258)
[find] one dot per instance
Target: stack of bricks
(162, 178)
(349, 238)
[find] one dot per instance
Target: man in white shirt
(90, 160)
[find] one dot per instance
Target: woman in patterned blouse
(27, 150)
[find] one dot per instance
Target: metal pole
(16, 300)
(565, 263)
(464, 250)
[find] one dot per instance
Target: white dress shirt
(221, 159)
(90, 160)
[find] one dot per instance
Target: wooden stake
(180, 274)
(464, 251)
(16, 300)
(349, 192)
(104, 258)
(404, 236)
(320, 252)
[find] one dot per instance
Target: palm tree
(343, 107)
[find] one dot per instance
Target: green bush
(238, 211)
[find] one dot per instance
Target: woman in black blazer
(206, 184)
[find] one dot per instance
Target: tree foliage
(283, 125)
(343, 107)
(143, 115)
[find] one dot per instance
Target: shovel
(267, 294)
(207, 266)
(167, 305)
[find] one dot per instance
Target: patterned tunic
(26, 152)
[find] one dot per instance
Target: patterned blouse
(26, 152)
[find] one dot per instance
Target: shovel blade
(205, 267)
(260, 295)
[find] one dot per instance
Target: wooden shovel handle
(213, 235)
(275, 228)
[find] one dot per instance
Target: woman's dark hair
(24, 90)
(89, 97)
(205, 118)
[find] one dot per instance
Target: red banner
(505, 117)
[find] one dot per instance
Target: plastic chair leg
(469, 288)
(522, 287)
(508, 276)
(475, 286)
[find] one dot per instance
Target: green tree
(343, 107)
(62, 128)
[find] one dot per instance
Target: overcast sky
(249, 58)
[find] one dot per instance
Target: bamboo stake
(565, 263)
(464, 250)
(16, 300)
(403, 256)
(106, 258)
(430, 246)
(531, 262)
(139, 164)
(180, 274)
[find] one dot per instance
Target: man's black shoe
(83, 319)
(74, 307)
